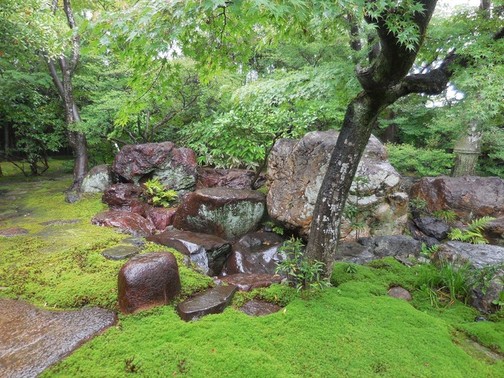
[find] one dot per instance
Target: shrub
(157, 195)
(410, 160)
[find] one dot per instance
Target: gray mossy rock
(227, 213)
(208, 252)
(148, 280)
(211, 301)
(470, 197)
(33, 339)
(369, 249)
(256, 252)
(174, 167)
(98, 179)
(127, 222)
(295, 172)
(400, 293)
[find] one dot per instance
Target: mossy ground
(350, 330)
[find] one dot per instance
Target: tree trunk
(383, 82)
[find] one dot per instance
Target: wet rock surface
(228, 213)
(120, 252)
(211, 301)
(470, 197)
(295, 173)
(124, 197)
(13, 231)
(256, 252)
(259, 308)
(174, 167)
(369, 249)
(33, 339)
(208, 252)
(160, 217)
(148, 280)
(130, 223)
(247, 282)
(227, 178)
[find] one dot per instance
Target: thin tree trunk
(467, 150)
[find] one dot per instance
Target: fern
(473, 233)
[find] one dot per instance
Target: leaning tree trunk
(63, 83)
(383, 82)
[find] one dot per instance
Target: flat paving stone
(120, 252)
(13, 231)
(211, 301)
(259, 308)
(32, 339)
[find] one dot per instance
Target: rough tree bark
(63, 83)
(383, 82)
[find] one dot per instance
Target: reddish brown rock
(128, 222)
(227, 213)
(259, 308)
(174, 167)
(212, 301)
(33, 339)
(247, 282)
(124, 197)
(148, 280)
(227, 178)
(469, 196)
(160, 217)
(208, 252)
(400, 293)
(256, 252)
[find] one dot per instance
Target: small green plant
(473, 233)
(299, 270)
(428, 251)
(445, 215)
(157, 195)
(276, 229)
(449, 281)
(418, 204)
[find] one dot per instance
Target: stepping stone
(212, 301)
(247, 282)
(33, 339)
(14, 231)
(259, 308)
(120, 252)
(60, 222)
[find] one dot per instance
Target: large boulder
(256, 252)
(469, 197)
(130, 223)
(296, 169)
(148, 280)
(97, 180)
(208, 252)
(174, 167)
(227, 213)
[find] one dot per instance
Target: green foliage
(473, 233)
(418, 204)
(449, 281)
(409, 160)
(427, 252)
(157, 194)
(300, 272)
(446, 215)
